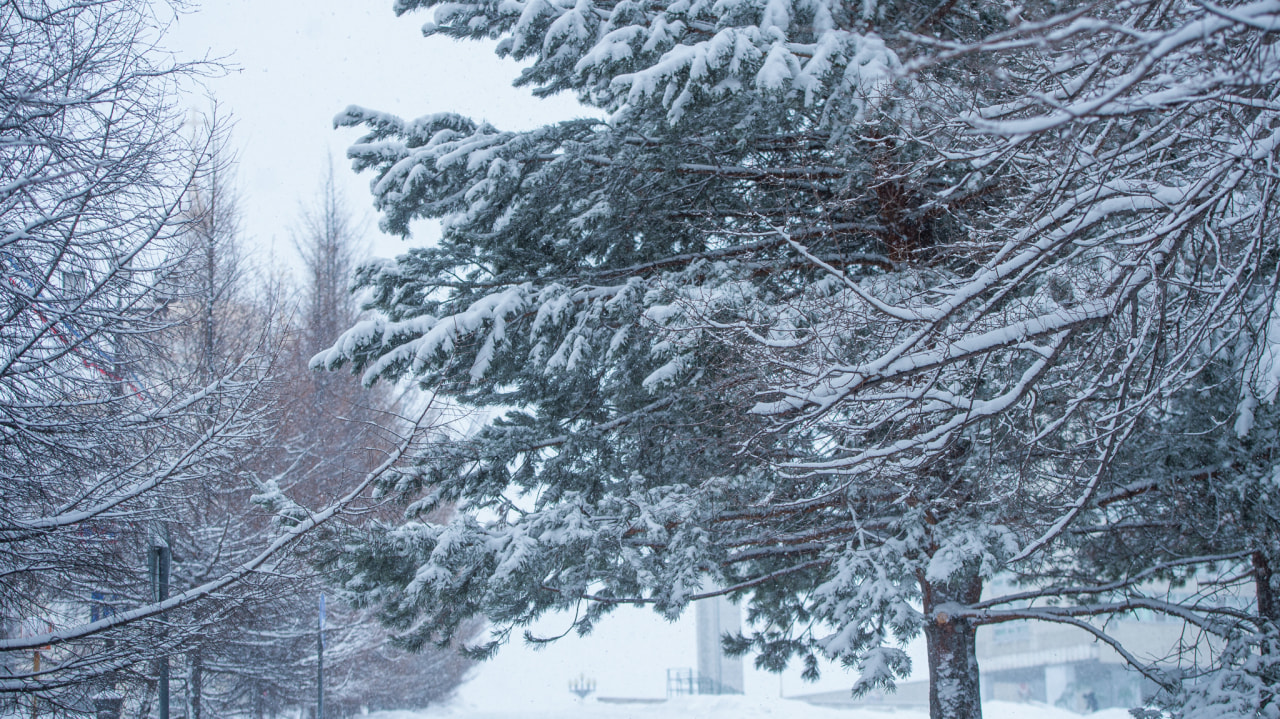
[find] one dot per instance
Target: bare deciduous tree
(103, 437)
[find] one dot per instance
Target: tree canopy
(844, 311)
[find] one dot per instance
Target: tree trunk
(257, 700)
(954, 692)
(197, 684)
(1262, 572)
(1269, 611)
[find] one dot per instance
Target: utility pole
(159, 558)
(320, 663)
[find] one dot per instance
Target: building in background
(1065, 667)
(716, 673)
(1060, 665)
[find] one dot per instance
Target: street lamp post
(159, 561)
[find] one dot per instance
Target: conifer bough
(846, 310)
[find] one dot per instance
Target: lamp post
(160, 558)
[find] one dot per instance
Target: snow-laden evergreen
(847, 309)
(623, 55)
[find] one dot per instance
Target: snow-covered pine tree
(584, 273)
(1127, 259)
(1144, 137)
(787, 327)
(1192, 526)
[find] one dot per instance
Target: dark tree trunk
(197, 684)
(257, 700)
(1262, 572)
(954, 692)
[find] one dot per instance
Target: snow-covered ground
(730, 707)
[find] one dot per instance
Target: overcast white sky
(294, 65)
(297, 64)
